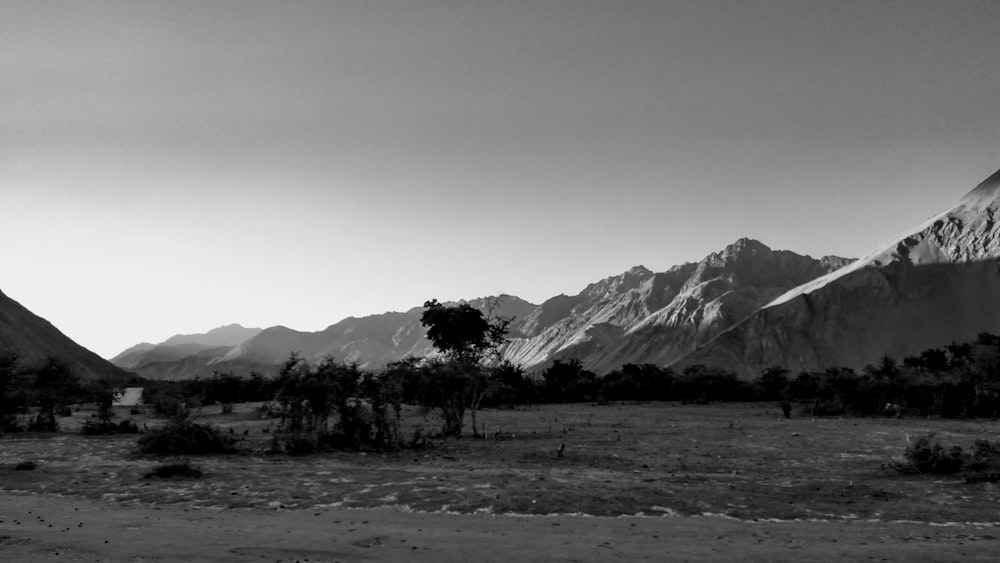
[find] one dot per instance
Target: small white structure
(130, 397)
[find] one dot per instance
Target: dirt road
(40, 527)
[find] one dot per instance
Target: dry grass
(740, 460)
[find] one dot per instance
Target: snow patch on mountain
(964, 233)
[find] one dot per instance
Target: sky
(170, 167)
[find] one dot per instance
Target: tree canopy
(462, 332)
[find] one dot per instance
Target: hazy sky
(168, 167)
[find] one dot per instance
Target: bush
(97, 428)
(367, 407)
(127, 427)
(305, 444)
(182, 470)
(171, 407)
(984, 462)
(43, 423)
(832, 407)
(927, 455)
(299, 444)
(26, 465)
(985, 456)
(102, 428)
(185, 437)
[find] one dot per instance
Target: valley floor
(636, 482)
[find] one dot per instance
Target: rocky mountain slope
(34, 340)
(641, 317)
(936, 284)
(723, 289)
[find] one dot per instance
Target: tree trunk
(453, 418)
(473, 409)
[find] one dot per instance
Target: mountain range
(638, 316)
(743, 308)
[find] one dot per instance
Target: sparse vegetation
(14, 397)
(743, 460)
(33, 398)
(962, 380)
(171, 400)
(926, 454)
(178, 470)
(104, 392)
(568, 381)
(183, 436)
(54, 387)
(166, 398)
(367, 407)
(98, 428)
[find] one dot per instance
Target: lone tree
(462, 333)
(467, 340)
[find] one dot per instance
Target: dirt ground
(636, 482)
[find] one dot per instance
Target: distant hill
(370, 341)
(229, 335)
(208, 345)
(183, 354)
(34, 340)
(938, 283)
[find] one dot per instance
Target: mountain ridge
(34, 340)
(938, 282)
(720, 290)
(587, 325)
